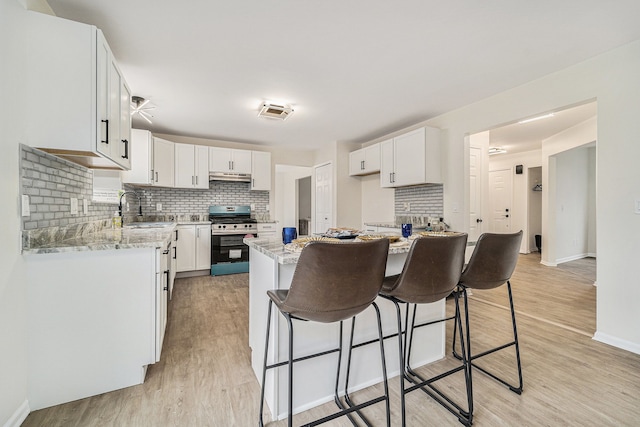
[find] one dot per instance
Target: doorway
(500, 191)
(288, 200)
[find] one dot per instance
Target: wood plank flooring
(205, 378)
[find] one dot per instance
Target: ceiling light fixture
(139, 107)
(496, 150)
(275, 111)
(533, 119)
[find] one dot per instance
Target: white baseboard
(617, 342)
(548, 264)
(571, 258)
(19, 415)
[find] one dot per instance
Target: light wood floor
(205, 378)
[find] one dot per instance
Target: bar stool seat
(491, 265)
(332, 282)
(430, 273)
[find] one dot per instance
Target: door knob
(478, 220)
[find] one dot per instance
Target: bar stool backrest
(493, 260)
(432, 269)
(335, 281)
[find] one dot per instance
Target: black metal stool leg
(264, 364)
(290, 366)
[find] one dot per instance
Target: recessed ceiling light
(533, 119)
(496, 150)
(275, 111)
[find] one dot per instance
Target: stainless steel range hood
(226, 176)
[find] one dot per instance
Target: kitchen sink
(148, 224)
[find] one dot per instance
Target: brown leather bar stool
(430, 273)
(332, 282)
(491, 265)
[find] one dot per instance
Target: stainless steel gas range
(229, 225)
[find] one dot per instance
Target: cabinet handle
(230, 166)
(192, 181)
(176, 235)
(126, 149)
(107, 131)
(175, 252)
(253, 182)
(156, 176)
(361, 164)
(197, 233)
(196, 179)
(165, 252)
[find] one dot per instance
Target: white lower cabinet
(193, 247)
(108, 307)
(267, 229)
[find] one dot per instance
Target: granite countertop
(99, 239)
(274, 249)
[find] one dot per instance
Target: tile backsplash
(51, 182)
(181, 201)
(422, 201)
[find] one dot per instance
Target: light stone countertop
(105, 239)
(274, 249)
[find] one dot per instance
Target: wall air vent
(274, 111)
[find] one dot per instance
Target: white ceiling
(353, 70)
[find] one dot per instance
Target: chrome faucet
(139, 203)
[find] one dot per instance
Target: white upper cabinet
(261, 170)
(229, 160)
(163, 162)
(152, 160)
(75, 94)
(191, 166)
(365, 161)
(410, 159)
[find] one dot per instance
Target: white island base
(314, 380)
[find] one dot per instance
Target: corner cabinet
(410, 159)
(260, 170)
(79, 102)
(365, 161)
(191, 166)
(229, 160)
(152, 160)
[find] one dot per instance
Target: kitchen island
(271, 267)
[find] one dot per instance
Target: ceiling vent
(274, 111)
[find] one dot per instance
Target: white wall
(612, 79)
(286, 202)
(576, 136)
(13, 301)
(572, 204)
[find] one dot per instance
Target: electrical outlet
(26, 211)
(128, 207)
(159, 207)
(407, 206)
(253, 206)
(85, 206)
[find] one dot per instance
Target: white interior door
(475, 193)
(324, 197)
(500, 201)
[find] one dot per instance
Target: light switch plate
(159, 207)
(26, 211)
(74, 206)
(85, 206)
